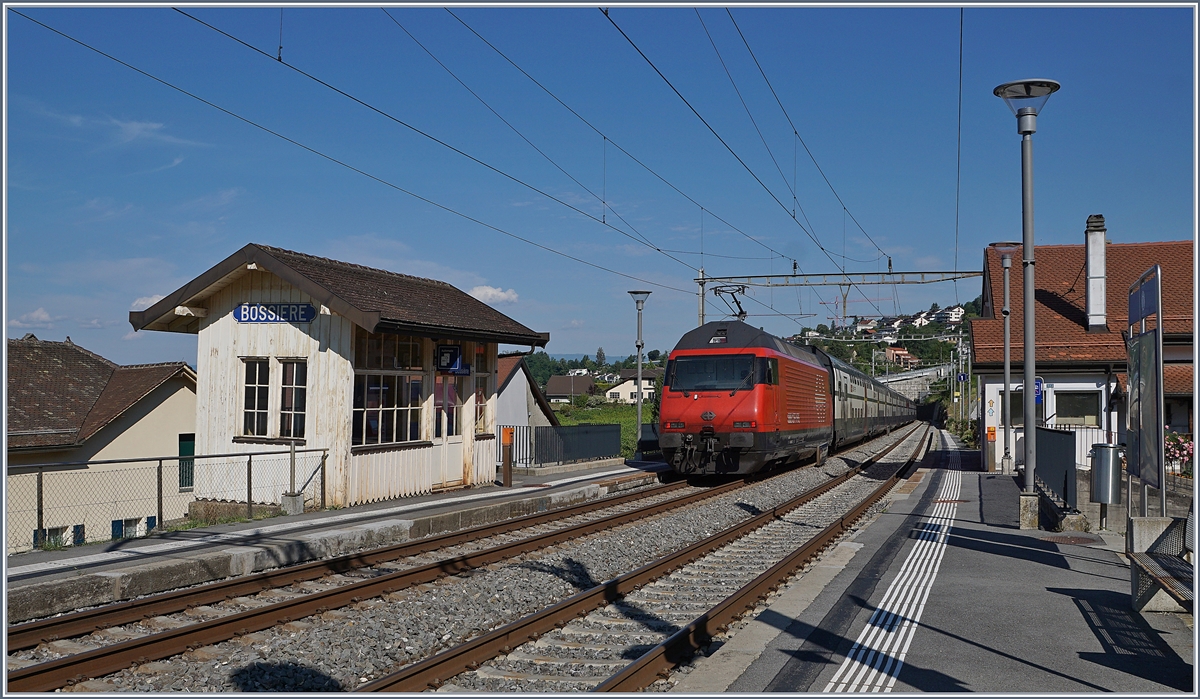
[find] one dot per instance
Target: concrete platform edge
(43, 599)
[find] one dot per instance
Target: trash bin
(1106, 474)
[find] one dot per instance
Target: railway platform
(43, 583)
(942, 592)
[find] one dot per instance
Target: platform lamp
(1026, 98)
(1006, 463)
(639, 297)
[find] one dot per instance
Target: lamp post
(1026, 98)
(1006, 463)
(639, 297)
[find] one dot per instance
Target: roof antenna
(279, 56)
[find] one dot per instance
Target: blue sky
(120, 189)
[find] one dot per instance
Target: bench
(1161, 575)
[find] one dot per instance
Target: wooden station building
(395, 375)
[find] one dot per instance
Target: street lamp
(1026, 98)
(1006, 464)
(639, 297)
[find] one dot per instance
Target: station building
(394, 375)
(1081, 310)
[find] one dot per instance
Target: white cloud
(216, 200)
(492, 294)
(34, 319)
(573, 325)
(145, 302)
(130, 131)
(97, 324)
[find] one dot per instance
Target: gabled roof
(648, 372)
(1060, 311)
(60, 394)
(374, 299)
(568, 385)
(507, 367)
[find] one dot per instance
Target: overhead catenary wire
(609, 140)
(424, 134)
(731, 151)
(796, 132)
(602, 198)
(341, 163)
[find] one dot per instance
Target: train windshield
(721, 372)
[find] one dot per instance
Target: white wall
(993, 400)
(326, 344)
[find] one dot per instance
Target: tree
(653, 355)
(933, 308)
(600, 356)
(822, 329)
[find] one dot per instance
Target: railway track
(659, 614)
(315, 579)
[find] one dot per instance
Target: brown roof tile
(127, 385)
(1060, 315)
(375, 299)
(60, 394)
(506, 366)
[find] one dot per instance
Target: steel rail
(103, 661)
(658, 661)
(30, 634)
(435, 670)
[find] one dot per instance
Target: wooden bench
(1164, 566)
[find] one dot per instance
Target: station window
(258, 381)
(386, 351)
(482, 371)
(388, 388)
(1077, 408)
(387, 408)
(447, 401)
(1017, 409)
(292, 404)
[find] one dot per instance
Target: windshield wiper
(749, 375)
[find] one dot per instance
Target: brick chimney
(1096, 318)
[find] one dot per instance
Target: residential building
(901, 357)
(68, 404)
(519, 403)
(1081, 310)
(561, 389)
(920, 320)
(626, 391)
(393, 375)
(949, 316)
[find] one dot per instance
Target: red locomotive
(737, 399)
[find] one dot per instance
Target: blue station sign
(275, 313)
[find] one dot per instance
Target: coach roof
(738, 335)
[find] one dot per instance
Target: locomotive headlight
(750, 424)
(675, 425)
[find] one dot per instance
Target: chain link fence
(55, 505)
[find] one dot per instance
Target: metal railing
(562, 445)
(544, 445)
(52, 505)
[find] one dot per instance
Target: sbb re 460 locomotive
(736, 399)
